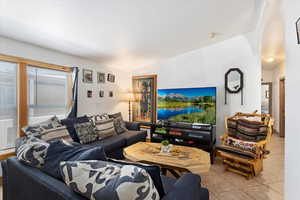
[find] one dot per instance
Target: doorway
(266, 98)
(282, 108)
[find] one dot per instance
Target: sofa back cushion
(241, 144)
(105, 128)
(97, 180)
(61, 151)
(86, 132)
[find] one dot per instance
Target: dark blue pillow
(59, 151)
(153, 171)
(69, 123)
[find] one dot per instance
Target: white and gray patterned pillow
(86, 132)
(97, 180)
(103, 116)
(120, 125)
(32, 151)
(36, 129)
(105, 128)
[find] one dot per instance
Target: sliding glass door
(8, 104)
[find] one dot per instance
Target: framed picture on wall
(89, 94)
(101, 93)
(87, 76)
(100, 77)
(145, 92)
(111, 94)
(111, 78)
(298, 30)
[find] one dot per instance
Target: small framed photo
(298, 30)
(100, 77)
(111, 94)
(111, 78)
(89, 94)
(87, 76)
(101, 93)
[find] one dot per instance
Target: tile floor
(268, 185)
(229, 186)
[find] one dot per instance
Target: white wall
(206, 67)
(86, 105)
(267, 75)
(292, 158)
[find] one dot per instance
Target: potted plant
(165, 146)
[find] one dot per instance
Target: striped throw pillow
(105, 128)
(56, 133)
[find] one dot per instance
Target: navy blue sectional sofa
(23, 182)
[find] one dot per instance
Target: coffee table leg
(174, 173)
(164, 171)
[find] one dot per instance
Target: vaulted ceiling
(124, 33)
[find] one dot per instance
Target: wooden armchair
(244, 143)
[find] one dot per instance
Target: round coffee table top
(183, 158)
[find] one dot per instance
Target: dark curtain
(74, 109)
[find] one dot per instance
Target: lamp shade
(129, 96)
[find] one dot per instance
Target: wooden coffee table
(180, 159)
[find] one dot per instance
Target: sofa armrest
(187, 187)
(133, 126)
(4, 180)
(33, 184)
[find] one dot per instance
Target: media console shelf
(201, 136)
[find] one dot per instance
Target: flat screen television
(196, 105)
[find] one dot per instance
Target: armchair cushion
(241, 144)
(236, 151)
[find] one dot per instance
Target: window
(8, 104)
(47, 92)
(30, 92)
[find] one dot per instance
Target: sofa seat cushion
(133, 137)
(109, 144)
(168, 183)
